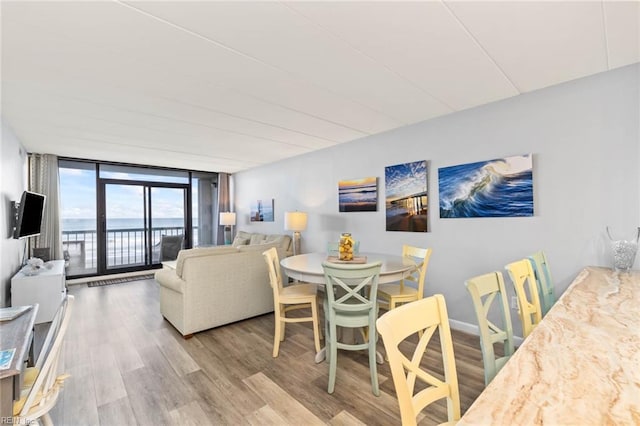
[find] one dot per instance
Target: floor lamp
(296, 222)
(228, 219)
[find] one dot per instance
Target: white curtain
(43, 179)
(223, 205)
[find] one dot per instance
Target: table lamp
(228, 219)
(296, 222)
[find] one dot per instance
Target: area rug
(119, 280)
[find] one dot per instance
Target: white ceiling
(227, 86)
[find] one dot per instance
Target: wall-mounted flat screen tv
(29, 215)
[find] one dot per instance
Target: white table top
(579, 366)
(308, 267)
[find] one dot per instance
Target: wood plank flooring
(129, 366)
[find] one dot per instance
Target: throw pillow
(239, 241)
(243, 234)
(281, 240)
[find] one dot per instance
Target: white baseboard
(464, 326)
(473, 329)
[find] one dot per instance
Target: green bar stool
(351, 302)
(484, 290)
(543, 278)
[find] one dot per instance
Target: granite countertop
(580, 366)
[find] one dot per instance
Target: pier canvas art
(358, 195)
(406, 197)
(496, 188)
(262, 211)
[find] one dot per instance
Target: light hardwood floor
(129, 366)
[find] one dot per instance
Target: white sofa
(210, 287)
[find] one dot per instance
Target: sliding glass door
(125, 235)
(134, 217)
(168, 216)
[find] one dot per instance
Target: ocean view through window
(115, 223)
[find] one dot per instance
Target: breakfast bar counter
(580, 365)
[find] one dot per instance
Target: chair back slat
(352, 281)
(421, 256)
(275, 273)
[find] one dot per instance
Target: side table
(46, 288)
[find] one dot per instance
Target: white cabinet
(46, 287)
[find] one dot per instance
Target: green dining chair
(351, 292)
(484, 290)
(524, 283)
(543, 278)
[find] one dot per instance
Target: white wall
(12, 182)
(584, 136)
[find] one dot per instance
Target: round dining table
(308, 268)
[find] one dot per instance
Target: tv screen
(29, 218)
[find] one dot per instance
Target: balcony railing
(125, 247)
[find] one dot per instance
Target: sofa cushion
(198, 252)
(258, 247)
(244, 235)
(257, 239)
(282, 241)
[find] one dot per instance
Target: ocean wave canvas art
(358, 195)
(496, 188)
(406, 197)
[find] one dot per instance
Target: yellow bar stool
(426, 316)
(524, 282)
(543, 278)
(290, 298)
(392, 295)
(484, 290)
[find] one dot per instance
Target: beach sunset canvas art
(358, 195)
(406, 197)
(496, 188)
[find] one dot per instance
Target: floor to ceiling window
(114, 216)
(79, 216)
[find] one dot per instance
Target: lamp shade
(227, 218)
(295, 221)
